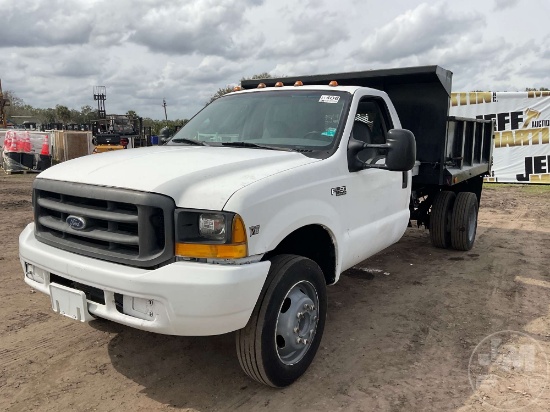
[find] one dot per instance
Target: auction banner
(521, 152)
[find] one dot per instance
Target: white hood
(197, 177)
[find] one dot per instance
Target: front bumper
(181, 298)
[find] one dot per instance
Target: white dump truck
(263, 199)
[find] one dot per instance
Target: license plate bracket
(69, 302)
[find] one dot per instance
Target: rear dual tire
(453, 220)
(464, 221)
(440, 219)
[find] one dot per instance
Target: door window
(371, 126)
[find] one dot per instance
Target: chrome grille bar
(72, 209)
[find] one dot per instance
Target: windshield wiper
(189, 141)
(255, 146)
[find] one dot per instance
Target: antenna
(164, 105)
(100, 94)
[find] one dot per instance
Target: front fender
(279, 217)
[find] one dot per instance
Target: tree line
(19, 111)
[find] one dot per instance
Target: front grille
(122, 226)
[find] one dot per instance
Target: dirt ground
(407, 330)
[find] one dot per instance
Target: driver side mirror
(399, 152)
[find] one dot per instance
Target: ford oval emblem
(76, 222)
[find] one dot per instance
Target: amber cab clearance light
(333, 83)
(279, 84)
(261, 86)
(298, 83)
(237, 88)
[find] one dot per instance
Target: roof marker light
(333, 83)
(261, 86)
(298, 83)
(279, 84)
(237, 88)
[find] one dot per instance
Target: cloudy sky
(55, 51)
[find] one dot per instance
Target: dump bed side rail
(468, 149)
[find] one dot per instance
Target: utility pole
(164, 105)
(3, 103)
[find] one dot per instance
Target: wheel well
(420, 211)
(474, 185)
(313, 242)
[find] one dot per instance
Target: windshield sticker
(325, 98)
(331, 131)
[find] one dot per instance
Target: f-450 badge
(338, 191)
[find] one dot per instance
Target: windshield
(304, 120)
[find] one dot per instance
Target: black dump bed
(449, 149)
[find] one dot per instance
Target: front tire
(284, 331)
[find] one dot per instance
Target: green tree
(63, 113)
(16, 105)
(221, 91)
(156, 125)
(264, 75)
(132, 114)
(76, 116)
(228, 89)
(88, 113)
(47, 115)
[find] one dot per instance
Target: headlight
(205, 234)
(212, 226)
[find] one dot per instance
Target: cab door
(377, 212)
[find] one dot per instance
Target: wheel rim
(297, 322)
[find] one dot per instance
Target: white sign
(521, 152)
(329, 99)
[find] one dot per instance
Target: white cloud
(32, 23)
(307, 35)
(505, 4)
(147, 50)
(418, 31)
(210, 26)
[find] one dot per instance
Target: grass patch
(533, 189)
(498, 186)
(537, 189)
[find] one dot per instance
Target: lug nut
(298, 340)
(305, 341)
(299, 315)
(295, 329)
